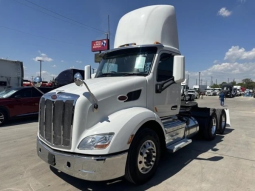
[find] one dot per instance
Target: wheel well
(5, 110)
(155, 126)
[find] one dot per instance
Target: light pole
(199, 82)
(40, 67)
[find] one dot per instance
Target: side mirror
(37, 81)
(179, 68)
(78, 80)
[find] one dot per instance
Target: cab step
(178, 145)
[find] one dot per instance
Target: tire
(3, 117)
(138, 171)
(222, 122)
(210, 127)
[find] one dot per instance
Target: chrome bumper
(94, 168)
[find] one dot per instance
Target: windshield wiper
(108, 74)
(133, 74)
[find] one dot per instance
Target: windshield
(7, 92)
(125, 62)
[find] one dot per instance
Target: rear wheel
(222, 122)
(143, 157)
(210, 128)
(3, 117)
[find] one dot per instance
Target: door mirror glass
(78, 80)
(179, 68)
(37, 81)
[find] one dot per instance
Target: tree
(215, 86)
(233, 82)
(248, 83)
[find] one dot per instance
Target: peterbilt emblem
(54, 96)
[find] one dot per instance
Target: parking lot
(226, 163)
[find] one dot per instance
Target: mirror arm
(38, 89)
(92, 95)
(160, 86)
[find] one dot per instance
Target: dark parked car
(67, 77)
(21, 101)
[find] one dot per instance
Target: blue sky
(216, 37)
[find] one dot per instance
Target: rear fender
(123, 124)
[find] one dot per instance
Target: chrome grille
(56, 121)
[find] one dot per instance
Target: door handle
(174, 107)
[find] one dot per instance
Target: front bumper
(94, 168)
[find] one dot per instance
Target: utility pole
(211, 81)
(188, 80)
(196, 81)
(199, 81)
(216, 82)
(108, 32)
(40, 67)
(228, 80)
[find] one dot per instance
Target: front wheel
(143, 157)
(3, 117)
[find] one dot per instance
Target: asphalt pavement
(226, 163)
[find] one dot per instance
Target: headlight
(100, 141)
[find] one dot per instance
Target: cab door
(166, 102)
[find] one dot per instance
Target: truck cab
(121, 121)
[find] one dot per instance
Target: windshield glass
(7, 92)
(125, 62)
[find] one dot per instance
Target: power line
(67, 19)
(41, 36)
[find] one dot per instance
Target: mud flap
(228, 118)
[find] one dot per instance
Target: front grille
(56, 121)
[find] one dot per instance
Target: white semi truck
(11, 74)
(120, 122)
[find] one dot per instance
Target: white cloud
(46, 76)
(231, 69)
(241, 1)
(236, 53)
(224, 12)
(54, 66)
(43, 57)
(78, 61)
(62, 61)
(72, 67)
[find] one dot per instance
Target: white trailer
(120, 122)
(11, 74)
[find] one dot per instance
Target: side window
(23, 93)
(36, 93)
(165, 67)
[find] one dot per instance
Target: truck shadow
(20, 121)
(169, 165)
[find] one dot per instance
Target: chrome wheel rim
(213, 125)
(1, 118)
(146, 157)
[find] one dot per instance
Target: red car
(22, 101)
(27, 83)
